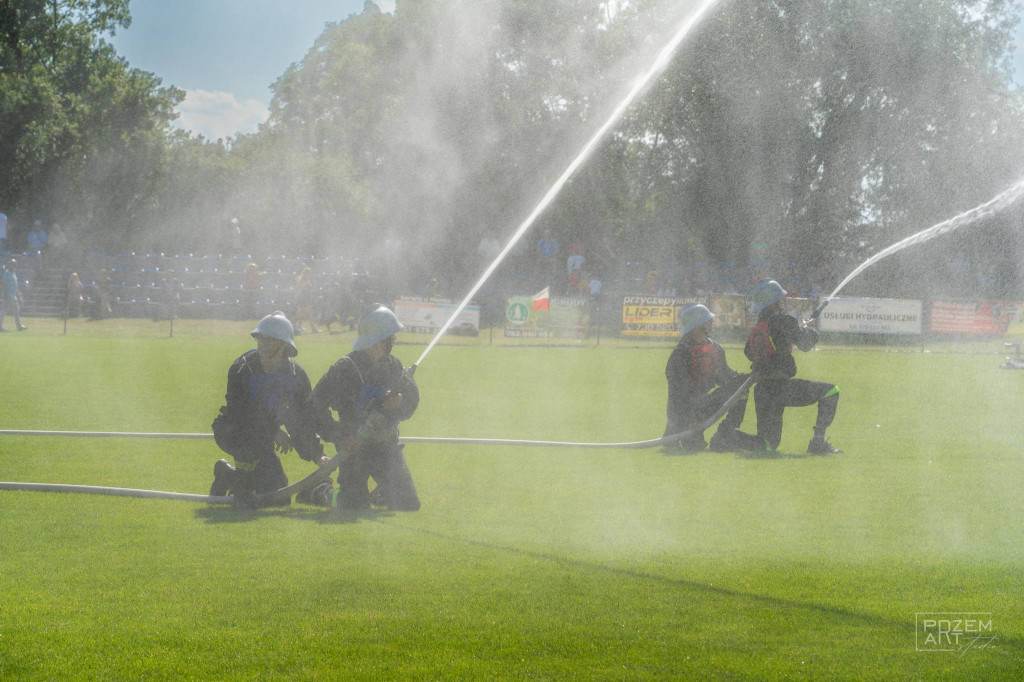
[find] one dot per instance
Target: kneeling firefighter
(695, 368)
(266, 390)
(371, 392)
(770, 350)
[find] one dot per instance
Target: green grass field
(523, 562)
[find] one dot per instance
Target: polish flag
(542, 299)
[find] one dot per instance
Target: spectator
(57, 244)
(547, 251)
(266, 390)
(35, 241)
(250, 288)
(76, 296)
(3, 231)
(304, 301)
(37, 237)
(576, 255)
(577, 285)
(101, 307)
(12, 296)
(594, 282)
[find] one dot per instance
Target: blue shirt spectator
(37, 237)
(12, 296)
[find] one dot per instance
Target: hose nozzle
(817, 311)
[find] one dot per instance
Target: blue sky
(225, 54)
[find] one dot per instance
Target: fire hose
(322, 473)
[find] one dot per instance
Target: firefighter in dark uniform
(371, 393)
(770, 350)
(695, 368)
(266, 389)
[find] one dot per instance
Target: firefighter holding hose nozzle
(371, 392)
(770, 350)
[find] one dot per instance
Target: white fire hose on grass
(322, 473)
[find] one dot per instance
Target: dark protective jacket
(258, 403)
(693, 370)
(353, 387)
(770, 344)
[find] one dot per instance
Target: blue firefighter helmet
(375, 324)
(694, 315)
(277, 326)
(765, 293)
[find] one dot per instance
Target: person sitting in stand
(699, 382)
(770, 350)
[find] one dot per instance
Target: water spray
(990, 207)
(640, 84)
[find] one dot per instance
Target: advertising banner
(541, 317)
(732, 310)
(654, 316)
(987, 318)
(871, 316)
(427, 317)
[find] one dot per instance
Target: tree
(84, 134)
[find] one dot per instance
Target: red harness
(703, 362)
(760, 342)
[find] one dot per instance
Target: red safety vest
(703, 362)
(760, 342)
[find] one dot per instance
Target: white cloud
(219, 114)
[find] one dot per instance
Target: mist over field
(806, 137)
(783, 139)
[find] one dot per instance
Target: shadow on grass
(227, 514)
(782, 603)
(740, 455)
(778, 455)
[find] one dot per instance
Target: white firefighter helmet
(765, 293)
(277, 326)
(375, 324)
(694, 315)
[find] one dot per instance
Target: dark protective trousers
(773, 396)
(258, 467)
(386, 464)
(707, 405)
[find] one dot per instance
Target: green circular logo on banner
(517, 312)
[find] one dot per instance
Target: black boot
(724, 440)
(224, 476)
(820, 446)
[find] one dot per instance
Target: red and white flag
(542, 299)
